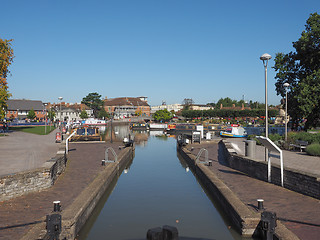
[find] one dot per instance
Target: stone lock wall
(294, 180)
(17, 184)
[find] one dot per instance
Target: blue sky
(165, 49)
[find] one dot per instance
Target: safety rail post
(107, 155)
(205, 156)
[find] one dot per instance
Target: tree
(162, 115)
(51, 114)
(138, 112)
(226, 102)
(31, 114)
(301, 69)
(83, 114)
(187, 102)
(6, 58)
(93, 101)
(103, 114)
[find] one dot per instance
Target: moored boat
(157, 126)
(86, 133)
(94, 122)
(234, 131)
(139, 126)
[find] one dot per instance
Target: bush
(313, 149)
(275, 137)
(303, 136)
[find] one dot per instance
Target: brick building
(127, 106)
(19, 108)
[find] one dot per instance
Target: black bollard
(260, 204)
(155, 234)
(170, 233)
(53, 222)
(56, 206)
(268, 225)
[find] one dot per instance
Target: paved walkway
(300, 213)
(294, 160)
(20, 214)
(23, 151)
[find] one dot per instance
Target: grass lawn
(40, 130)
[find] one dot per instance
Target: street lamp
(45, 118)
(286, 85)
(265, 58)
(60, 99)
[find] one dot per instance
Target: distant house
(171, 107)
(68, 111)
(127, 106)
(200, 107)
(19, 108)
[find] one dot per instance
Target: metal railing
(205, 156)
(106, 155)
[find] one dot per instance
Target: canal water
(156, 189)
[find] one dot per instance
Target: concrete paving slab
(24, 151)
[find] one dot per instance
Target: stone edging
(295, 180)
(76, 215)
(245, 220)
(17, 184)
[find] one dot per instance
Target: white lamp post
(60, 99)
(286, 85)
(45, 118)
(265, 58)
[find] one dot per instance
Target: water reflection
(158, 190)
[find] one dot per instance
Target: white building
(68, 114)
(175, 107)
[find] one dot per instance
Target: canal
(156, 189)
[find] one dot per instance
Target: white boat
(157, 126)
(234, 131)
(94, 122)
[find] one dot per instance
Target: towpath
(18, 215)
(22, 151)
(299, 213)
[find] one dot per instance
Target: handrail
(106, 155)
(205, 156)
(67, 141)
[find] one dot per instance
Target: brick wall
(17, 184)
(294, 180)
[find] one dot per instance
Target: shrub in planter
(275, 137)
(313, 149)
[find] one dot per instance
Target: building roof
(24, 105)
(125, 101)
(235, 108)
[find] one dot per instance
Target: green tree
(226, 102)
(83, 114)
(187, 103)
(103, 114)
(31, 114)
(6, 58)
(51, 114)
(162, 115)
(301, 69)
(93, 101)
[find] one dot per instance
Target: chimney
(233, 105)
(221, 106)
